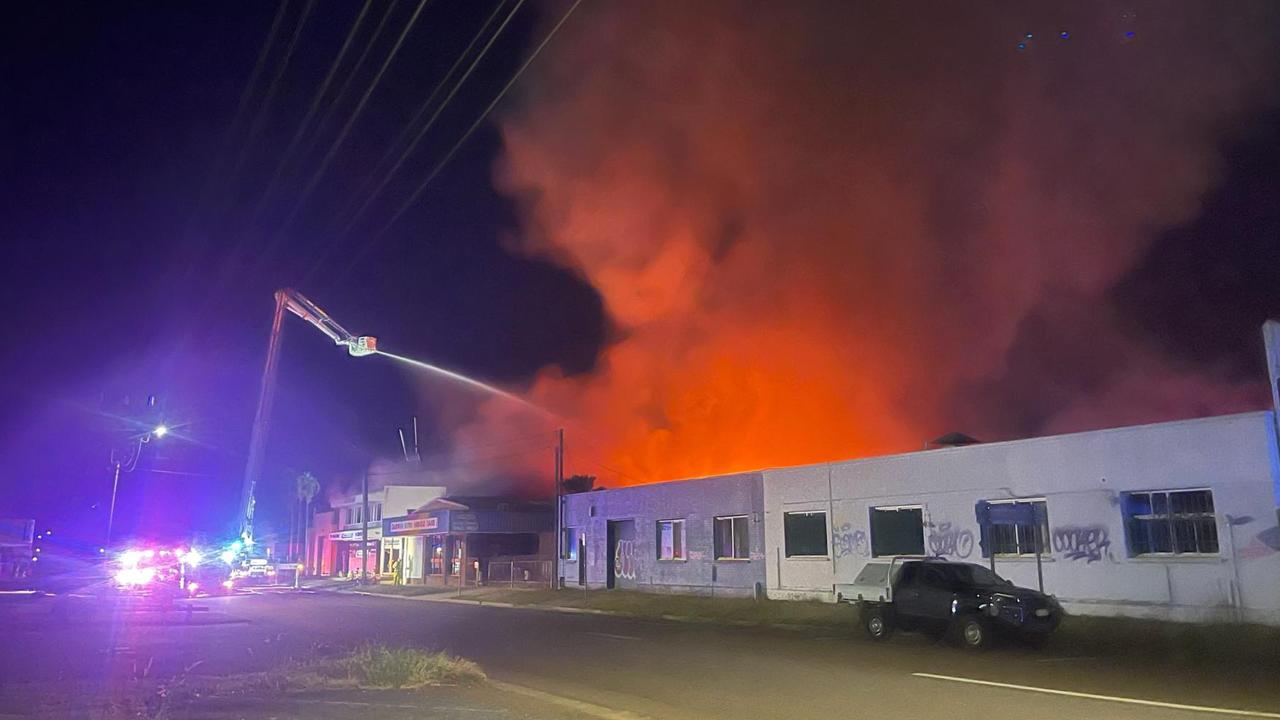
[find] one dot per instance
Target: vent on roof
(954, 439)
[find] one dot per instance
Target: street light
(119, 462)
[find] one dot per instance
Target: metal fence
(519, 573)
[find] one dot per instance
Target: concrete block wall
(698, 502)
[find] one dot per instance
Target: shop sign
(413, 525)
(464, 522)
(375, 531)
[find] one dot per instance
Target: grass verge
(1083, 635)
(380, 666)
(711, 609)
(376, 667)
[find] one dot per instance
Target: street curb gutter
(591, 611)
(581, 706)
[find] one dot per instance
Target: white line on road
(612, 636)
(1107, 698)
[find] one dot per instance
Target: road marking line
(1107, 698)
(586, 708)
(615, 637)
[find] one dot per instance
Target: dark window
(908, 574)
(934, 577)
(732, 538)
(569, 547)
(897, 531)
(805, 534)
(954, 576)
(1020, 538)
(1171, 522)
(671, 540)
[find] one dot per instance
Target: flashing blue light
(1064, 34)
(1129, 34)
(1022, 46)
(1029, 36)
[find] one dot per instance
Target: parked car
(969, 601)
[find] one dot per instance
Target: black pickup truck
(967, 600)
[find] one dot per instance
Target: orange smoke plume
(814, 226)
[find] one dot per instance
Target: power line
(241, 106)
(342, 135)
(311, 111)
(336, 241)
(260, 118)
(462, 140)
(464, 463)
(351, 76)
(413, 145)
(341, 94)
(613, 470)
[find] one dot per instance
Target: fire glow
(835, 248)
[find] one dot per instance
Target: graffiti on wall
(846, 541)
(947, 539)
(624, 560)
(1262, 545)
(1082, 542)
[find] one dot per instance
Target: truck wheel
(973, 632)
(877, 624)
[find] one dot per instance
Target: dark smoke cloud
(1203, 288)
(831, 229)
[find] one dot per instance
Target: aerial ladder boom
(298, 304)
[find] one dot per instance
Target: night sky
(709, 236)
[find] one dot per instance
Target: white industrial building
(1174, 520)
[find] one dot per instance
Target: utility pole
(364, 529)
(111, 514)
(559, 507)
(118, 463)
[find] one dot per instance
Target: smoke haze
(826, 230)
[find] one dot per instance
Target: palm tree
(306, 487)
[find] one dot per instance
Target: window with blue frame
(569, 544)
(1019, 538)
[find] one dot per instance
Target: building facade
(1172, 520)
(703, 536)
(466, 540)
(335, 537)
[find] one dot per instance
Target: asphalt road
(654, 669)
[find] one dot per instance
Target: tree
(307, 487)
(579, 484)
